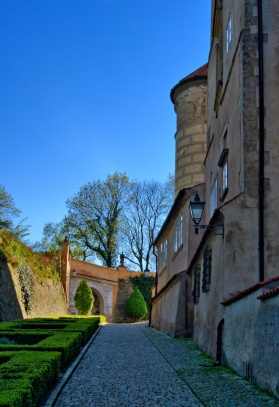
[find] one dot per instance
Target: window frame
(223, 163)
(163, 254)
(229, 29)
(178, 233)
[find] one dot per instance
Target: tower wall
(190, 104)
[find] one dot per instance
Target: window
(225, 176)
(197, 283)
(229, 34)
(177, 241)
(223, 163)
(214, 198)
(163, 254)
(206, 272)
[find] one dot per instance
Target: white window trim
(225, 176)
(178, 233)
(229, 33)
(163, 254)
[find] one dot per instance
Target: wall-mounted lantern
(146, 273)
(196, 210)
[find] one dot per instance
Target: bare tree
(142, 219)
(108, 217)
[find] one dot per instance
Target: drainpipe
(261, 143)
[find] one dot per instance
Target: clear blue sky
(84, 92)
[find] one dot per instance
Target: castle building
(221, 285)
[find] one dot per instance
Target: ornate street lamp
(196, 210)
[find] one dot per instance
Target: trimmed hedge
(49, 334)
(26, 377)
(29, 367)
(67, 343)
(87, 326)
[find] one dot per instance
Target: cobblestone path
(132, 365)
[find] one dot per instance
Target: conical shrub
(136, 306)
(84, 298)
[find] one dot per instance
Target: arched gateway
(111, 287)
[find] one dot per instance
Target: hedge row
(67, 343)
(25, 377)
(43, 346)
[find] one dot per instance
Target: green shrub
(144, 285)
(84, 298)
(26, 377)
(136, 306)
(27, 281)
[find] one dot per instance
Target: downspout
(261, 143)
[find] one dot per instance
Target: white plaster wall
(104, 289)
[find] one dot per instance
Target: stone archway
(98, 305)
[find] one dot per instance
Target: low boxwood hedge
(45, 334)
(25, 377)
(87, 326)
(34, 352)
(68, 343)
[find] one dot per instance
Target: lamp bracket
(211, 228)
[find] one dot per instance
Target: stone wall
(251, 339)
(125, 289)
(48, 298)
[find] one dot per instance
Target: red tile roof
(252, 289)
(200, 72)
(269, 294)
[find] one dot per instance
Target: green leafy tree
(21, 231)
(136, 306)
(94, 213)
(54, 234)
(84, 298)
(8, 210)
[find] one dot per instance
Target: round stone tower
(189, 97)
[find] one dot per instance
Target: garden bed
(33, 352)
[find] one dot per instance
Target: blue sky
(84, 92)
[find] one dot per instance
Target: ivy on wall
(26, 280)
(144, 285)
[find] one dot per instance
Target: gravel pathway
(134, 365)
